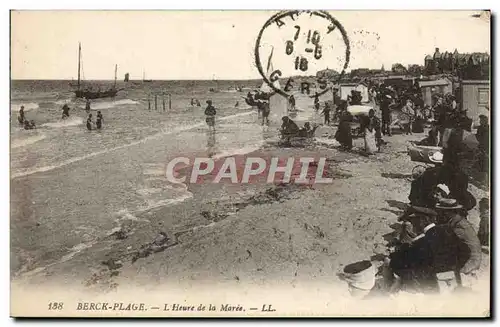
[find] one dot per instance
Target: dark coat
(289, 128)
(468, 245)
(210, 111)
(414, 263)
(457, 181)
(423, 186)
(344, 133)
(483, 136)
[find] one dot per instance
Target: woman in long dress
(344, 135)
(371, 128)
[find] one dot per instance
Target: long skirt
(370, 141)
(343, 135)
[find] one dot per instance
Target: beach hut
(430, 88)
(475, 97)
(346, 88)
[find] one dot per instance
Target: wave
(68, 122)
(108, 104)
(15, 107)
(167, 202)
(17, 143)
(63, 101)
(97, 153)
(246, 108)
(239, 151)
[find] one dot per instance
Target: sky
(220, 44)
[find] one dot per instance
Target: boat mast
(116, 68)
(79, 60)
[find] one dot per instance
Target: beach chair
(422, 153)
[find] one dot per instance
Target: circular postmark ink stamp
(311, 45)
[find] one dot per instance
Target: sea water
(65, 178)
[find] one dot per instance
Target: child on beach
(21, 117)
(65, 110)
(326, 112)
(98, 121)
(89, 122)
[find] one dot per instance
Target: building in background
(346, 88)
(473, 66)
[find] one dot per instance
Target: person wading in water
(65, 110)
(210, 113)
(98, 121)
(87, 105)
(21, 117)
(89, 122)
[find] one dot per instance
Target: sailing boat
(144, 78)
(88, 93)
(264, 88)
(126, 79)
(278, 104)
(216, 89)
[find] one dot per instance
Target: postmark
(302, 43)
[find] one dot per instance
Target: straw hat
(436, 157)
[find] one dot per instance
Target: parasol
(359, 110)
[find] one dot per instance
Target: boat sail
(88, 92)
(216, 88)
(277, 103)
(126, 79)
(144, 78)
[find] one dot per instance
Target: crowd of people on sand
(260, 100)
(437, 246)
(399, 107)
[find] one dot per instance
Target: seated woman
(307, 131)
(344, 133)
(431, 139)
(288, 129)
(370, 126)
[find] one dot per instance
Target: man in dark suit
(436, 249)
(413, 262)
(452, 216)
